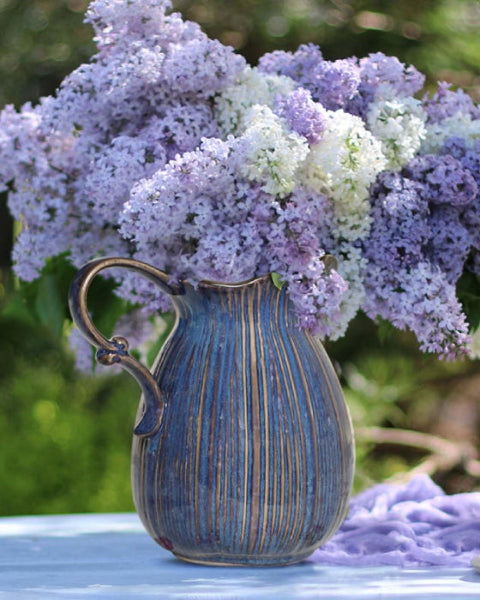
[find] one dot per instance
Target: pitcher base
(243, 561)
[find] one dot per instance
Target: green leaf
(277, 281)
(17, 308)
(106, 316)
(468, 292)
(385, 330)
(50, 304)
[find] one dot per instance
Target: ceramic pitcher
(243, 446)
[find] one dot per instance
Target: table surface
(109, 556)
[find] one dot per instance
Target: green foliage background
(65, 437)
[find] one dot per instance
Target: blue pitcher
(243, 449)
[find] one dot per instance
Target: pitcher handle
(115, 351)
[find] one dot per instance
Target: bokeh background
(65, 436)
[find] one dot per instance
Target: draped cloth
(415, 524)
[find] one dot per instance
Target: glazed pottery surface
(243, 448)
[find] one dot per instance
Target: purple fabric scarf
(410, 525)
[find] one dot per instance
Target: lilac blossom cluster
(169, 148)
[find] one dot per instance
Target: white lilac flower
(270, 153)
(399, 123)
(252, 87)
(351, 267)
(343, 165)
(459, 125)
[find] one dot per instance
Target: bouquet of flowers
(169, 148)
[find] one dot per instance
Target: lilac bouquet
(169, 148)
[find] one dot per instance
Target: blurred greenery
(65, 436)
(439, 37)
(41, 42)
(65, 439)
(389, 383)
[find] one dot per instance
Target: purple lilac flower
(446, 103)
(315, 294)
(32, 248)
(149, 62)
(418, 231)
(30, 167)
(112, 123)
(114, 20)
(83, 352)
(201, 67)
(444, 179)
(116, 169)
(469, 157)
(297, 65)
(421, 299)
(336, 83)
(400, 226)
(347, 83)
(332, 84)
(128, 158)
(471, 220)
(17, 136)
(379, 71)
(220, 227)
(178, 128)
(298, 240)
(452, 194)
(191, 219)
(302, 114)
(450, 242)
(104, 96)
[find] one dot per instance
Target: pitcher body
(252, 461)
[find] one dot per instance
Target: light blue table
(109, 556)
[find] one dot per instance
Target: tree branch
(443, 454)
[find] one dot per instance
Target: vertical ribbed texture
(254, 460)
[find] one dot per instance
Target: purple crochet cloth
(410, 525)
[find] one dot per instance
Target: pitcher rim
(210, 283)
